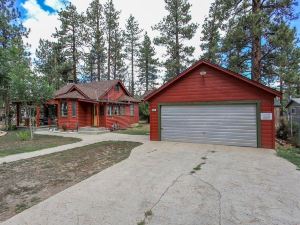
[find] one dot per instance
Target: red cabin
(98, 104)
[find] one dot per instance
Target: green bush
(64, 127)
(283, 130)
(23, 135)
(144, 111)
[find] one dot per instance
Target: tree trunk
(132, 69)
(74, 56)
(7, 112)
(98, 44)
(177, 53)
(256, 44)
(147, 75)
(281, 99)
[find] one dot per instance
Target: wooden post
(98, 114)
(38, 116)
(18, 114)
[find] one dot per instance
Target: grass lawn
(11, 144)
(27, 182)
(140, 129)
(292, 154)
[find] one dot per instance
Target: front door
(95, 115)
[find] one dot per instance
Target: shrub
(283, 130)
(24, 135)
(64, 127)
(144, 111)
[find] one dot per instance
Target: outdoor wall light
(202, 72)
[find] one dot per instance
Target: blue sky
(40, 2)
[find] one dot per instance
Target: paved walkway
(232, 186)
(86, 140)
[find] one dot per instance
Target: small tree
(30, 89)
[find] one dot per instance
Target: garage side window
(64, 108)
(132, 110)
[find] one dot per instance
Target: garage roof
(217, 67)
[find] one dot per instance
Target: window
(109, 110)
(122, 110)
(132, 110)
(74, 108)
(294, 111)
(116, 110)
(64, 108)
(117, 88)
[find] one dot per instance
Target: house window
(116, 110)
(122, 110)
(74, 108)
(109, 110)
(64, 108)
(132, 110)
(117, 88)
(294, 111)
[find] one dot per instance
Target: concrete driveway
(234, 186)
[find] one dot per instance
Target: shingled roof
(90, 91)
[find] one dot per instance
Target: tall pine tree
(69, 36)
(249, 28)
(111, 27)
(132, 37)
(95, 41)
(52, 63)
(175, 29)
(118, 56)
(13, 57)
(147, 64)
(210, 38)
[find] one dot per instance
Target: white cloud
(42, 24)
(54, 4)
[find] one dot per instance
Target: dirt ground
(27, 182)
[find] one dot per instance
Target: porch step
(46, 128)
(92, 130)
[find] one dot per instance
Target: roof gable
(219, 68)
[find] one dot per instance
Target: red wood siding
(125, 120)
(69, 121)
(85, 114)
(215, 86)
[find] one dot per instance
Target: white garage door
(212, 124)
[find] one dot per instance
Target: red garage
(209, 104)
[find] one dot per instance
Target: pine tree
(111, 25)
(51, 62)
(210, 38)
(132, 37)
(118, 56)
(147, 64)
(95, 40)
(12, 51)
(250, 27)
(69, 36)
(175, 29)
